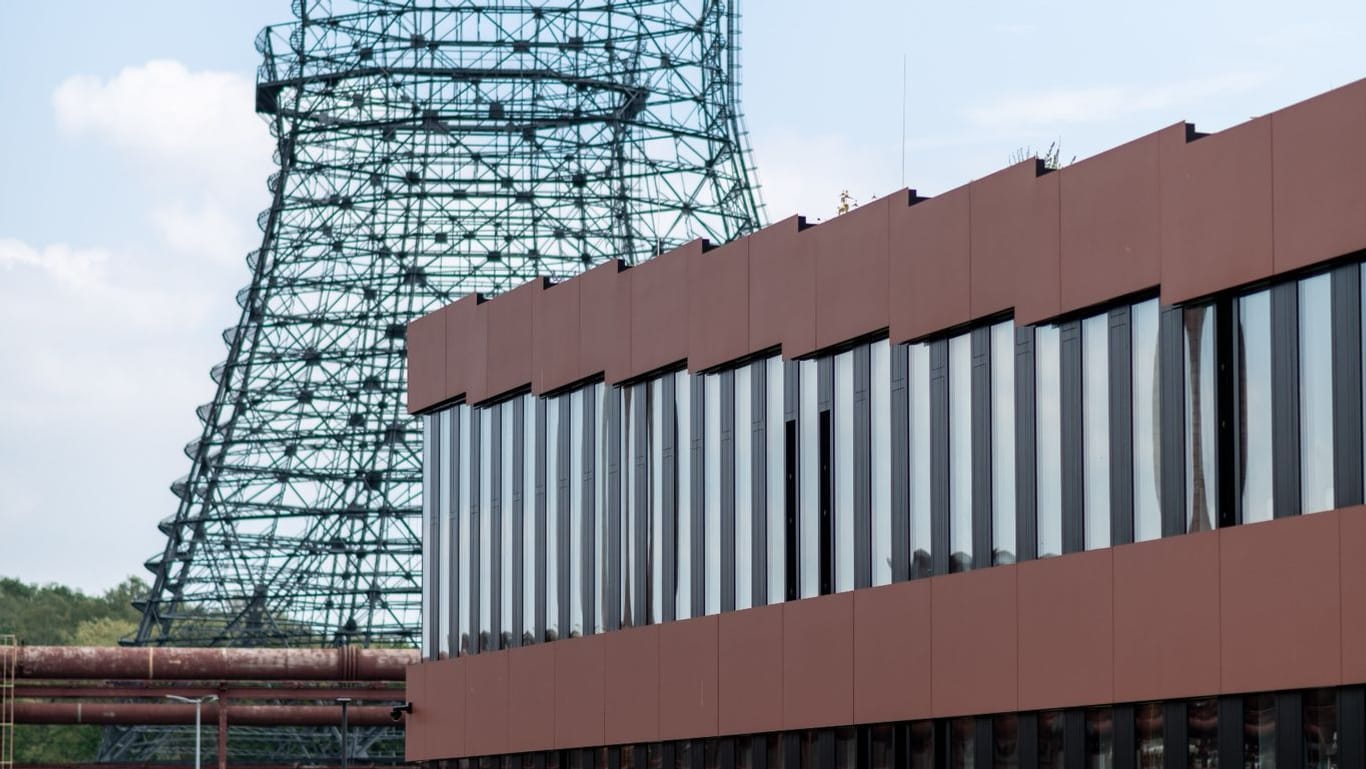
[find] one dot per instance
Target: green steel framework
(425, 150)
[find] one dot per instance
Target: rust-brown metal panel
(1351, 545)
(580, 699)
(688, 683)
(818, 661)
(486, 704)
(1111, 225)
(446, 708)
(426, 342)
(1318, 151)
(975, 631)
(750, 693)
(1167, 618)
(1067, 631)
(555, 338)
(659, 311)
(1216, 209)
(531, 698)
(464, 363)
(419, 723)
(892, 653)
(510, 348)
(851, 270)
(1014, 243)
(782, 289)
(633, 685)
(605, 321)
(929, 265)
(1280, 628)
(718, 305)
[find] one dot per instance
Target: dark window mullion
(1347, 388)
(900, 464)
(1071, 408)
(476, 524)
(939, 456)
(588, 488)
(862, 470)
(727, 516)
(517, 509)
(1285, 399)
(669, 460)
(791, 539)
(564, 490)
(541, 479)
(698, 496)
(825, 398)
(640, 508)
(758, 481)
(615, 574)
(981, 447)
(1172, 402)
(495, 522)
(1121, 428)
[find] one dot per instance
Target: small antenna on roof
(903, 119)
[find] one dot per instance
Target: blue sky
(132, 170)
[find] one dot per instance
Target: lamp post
(344, 702)
(198, 703)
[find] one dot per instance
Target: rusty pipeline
(179, 664)
(137, 714)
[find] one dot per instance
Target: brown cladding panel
(1014, 259)
(751, 670)
(419, 724)
(930, 265)
(1352, 546)
(782, 289)
(633, 685)
(1111, 224)
(1216, 210)
(974, 631)
(718, 305)
(1280, 628)
(426, 356)
(688, 678)
(659, 311)
(487, 706)
(1166, 618)
(1066, 631)
(818, 661)
(892, 653)
(580, 698)
(464, 363)
(605, 321)
(851, 271)
(510, 322)
(531, 698)
(446, 697)
(1319, 161)
(555, 338)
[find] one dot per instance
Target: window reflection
(960, 453)
(844, 471)
(921, 744)
(576, 513)
(1259, 731)
(919, 387)
(880, 379)
(775, 468)
(1254, 407)
(1005, 742)
(962, 745)
(1316, 393)
(488, 422)
(744, 500)
(1095, 388)
(881, 747)
(528, 514)
(683, 512)
(1003, 443)
(553, 529)
(1320, 718)
(1051, 750)
(658, 411)
(464, 553)
(1148, 741)
(1202, 733)
(711, 525)
(808, 528)
(1202, 504)
(1143, 318)
(1100, 739)
(1048, 437)
(506, 519)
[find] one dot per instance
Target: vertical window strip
(880, 461)
(683, 527)
(1070, 413)
(725, 553)
(1003, 443)
(775, 469)
(655, 409)
(577, 529)
(642, 597)
(670, 455)
(447, 521)
(1254, 470)
(506, 512)
(1202, 501)
(1048, 441)
(921, 464)
(959, 425)
(1347, 389)
(596, 410)
(711, 459)
(430, 578)
(843, 508)
(1316, 393)
(488, 425)
(1121, 426)
(862, 469)
(742, 555)
(1147, 444)
(547, 529)
(1095, 386)
(465, 515)
(980, 451)
(698, 466)
(532, 544)
(808, 527)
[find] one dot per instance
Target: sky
(132, 169)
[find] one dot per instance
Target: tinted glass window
(1316, 393)
(1048, 436)
(960, 453)
(1202, 429)
(1143, 318)
(1003, 443)
(1254, 406)
(1095, 388)
(919, 387)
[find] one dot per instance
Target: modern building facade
(1062, 468)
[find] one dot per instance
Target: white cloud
(71, 267)
(1105, 103)
(208, 230)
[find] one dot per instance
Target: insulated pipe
(132, 714)
(155, 663)
(118, 691)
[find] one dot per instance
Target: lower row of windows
(1310, 729)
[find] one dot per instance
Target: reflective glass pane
(1254, 406)
(507, 517)
(744, 499)
(1259, 731)
(445, 518)
(1202, 503)
(429, 533)
(1320, 719)
(808, 528)
(1100, 739)
(1005, 742)
(776, 469)
(1003, 442)
(464, 553)
(1316, 394)
(598, 507)
(553, 518)
(1095, 389)
(880, 379)
(1051, 750)
(529, 538)
(1048, 437)
(683, 491)
(488, 422)
(1147, 510)
(1202, 734)
(922, 745)
(657, 414)
(576, 513)
(918, 385)
(960, 453)
(627, 530)
(844, 471)
(712, 523)
(962, 744)
(1148, 741)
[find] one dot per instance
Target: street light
(198, 703)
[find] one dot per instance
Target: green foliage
(55, 615)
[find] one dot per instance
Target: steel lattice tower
(426, 149)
